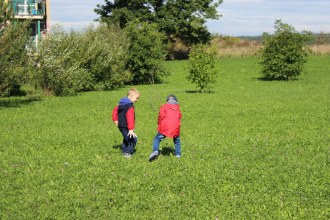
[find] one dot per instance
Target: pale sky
(239, 17)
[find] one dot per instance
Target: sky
(239, 17)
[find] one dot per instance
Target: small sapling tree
(202, 67)
(284, 53)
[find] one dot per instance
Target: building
(38, 11)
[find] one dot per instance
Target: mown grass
(251, 149)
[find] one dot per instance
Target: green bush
(57, 65)
(146, 53)
(104, 53)
(13, 40)
(284, 53)
(81, 61)
(202, 66)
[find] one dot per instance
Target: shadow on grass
(167, 151)
(16, 102)
(196, 91)
(267, 79)
(118, 147)
(263, 79)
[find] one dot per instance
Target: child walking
(123, 116)
(168, 126)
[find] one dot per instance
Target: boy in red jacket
(124, 117)
(168, 126)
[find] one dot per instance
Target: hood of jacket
(125, 101)
(173, 106)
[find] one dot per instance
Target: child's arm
(130, 119)
(115, 115)
(131, 122)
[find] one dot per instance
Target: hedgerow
(67, 63)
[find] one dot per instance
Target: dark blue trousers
(129, 144)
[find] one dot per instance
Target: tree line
(129, 47)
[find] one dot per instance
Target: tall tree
(184, 19)
(14, 37)
(5, 14)
(13, 40)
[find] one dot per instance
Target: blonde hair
(132, 90)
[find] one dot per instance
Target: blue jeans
(159, 137)
(129, 143)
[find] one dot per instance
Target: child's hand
(131, 134)
(116, 122)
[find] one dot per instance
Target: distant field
(240, 47)
(250, 150)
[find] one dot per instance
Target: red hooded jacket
(169, 120)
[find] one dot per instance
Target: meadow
(238, 47)
(251, 149)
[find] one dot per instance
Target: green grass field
(251, 149)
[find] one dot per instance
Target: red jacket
(124, 114)
(169, 120)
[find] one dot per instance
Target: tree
(146, 53)
(5, 14)
(14, 37)
(182, 19)
(284, 53)
(202, 66)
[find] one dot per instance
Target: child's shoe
(153, 156)
(178, 156)
(127, 155)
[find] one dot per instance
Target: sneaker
(127, 155)
(178, 156)
(153, 156)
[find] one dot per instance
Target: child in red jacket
(168, 126)
(123, 116)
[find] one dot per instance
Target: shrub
(82, 61)
(104, 54)
(56, 65)
(146, 53)
(284, 53)
(14, 37)
(202, 66)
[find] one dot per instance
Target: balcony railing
(28, 8)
